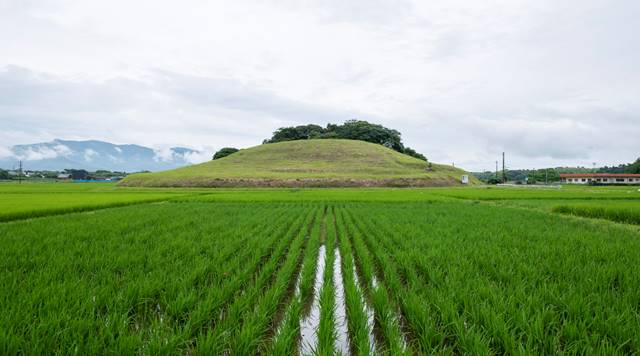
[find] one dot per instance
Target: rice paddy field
(100, 269)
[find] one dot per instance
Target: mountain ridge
(92, 155)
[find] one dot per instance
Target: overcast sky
(550, 82)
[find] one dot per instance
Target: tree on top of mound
(351, 129)
(224, 152)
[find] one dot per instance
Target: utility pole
(20, 173)
(496, 170)
(504, 172)
(546, 176)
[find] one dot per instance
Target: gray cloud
(551, 83)
(164, 101)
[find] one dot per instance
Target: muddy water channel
(342, 333)
(310, 322)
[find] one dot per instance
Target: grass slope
(309, 163)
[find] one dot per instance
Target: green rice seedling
(386, 313)
(244, 265)
(309, 266)
(29, 205)
(396, 268)
(512, 287)
(628, 213)
(286, 339)
(224, 335)
(517, 193)
(252, 335)
(196, 275)
(129, 283)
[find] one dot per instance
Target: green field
(620, 211)
(307, 163)
(288, 271)
(22, 201)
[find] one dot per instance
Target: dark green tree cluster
(633, 167)
(224, 152)
(532, 176)
(622, 168)
(4, 174)
(553, 174)
(351, 129)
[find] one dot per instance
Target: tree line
(553, 174)
(351, 130)
(622, 168)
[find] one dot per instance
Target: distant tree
(4, 174)
(78, 174)
(224, 152)
(633, 167)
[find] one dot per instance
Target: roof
(599, 175)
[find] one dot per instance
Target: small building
(64, 176)
(600, 178)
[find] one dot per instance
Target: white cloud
(89, 154)
(40, 152)
(5, 152)
(197, 156)
(167, 154)
(118, 149)
(164, 154)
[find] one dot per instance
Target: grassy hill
(306, 163)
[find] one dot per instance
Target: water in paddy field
(342, 334)
(374, 281)
(309, 324)
(367, 309)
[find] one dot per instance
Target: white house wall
(602, 180)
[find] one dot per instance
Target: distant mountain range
(97, 155)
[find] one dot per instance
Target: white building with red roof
(600, 178)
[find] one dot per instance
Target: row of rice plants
(21, 206)
(428, 333)
(623, 213)
(386, 317)
(564, 193)
(287, 337)
(390, 301)
(224, 336)
(528, 282)
(242, 262)
(257, 326)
